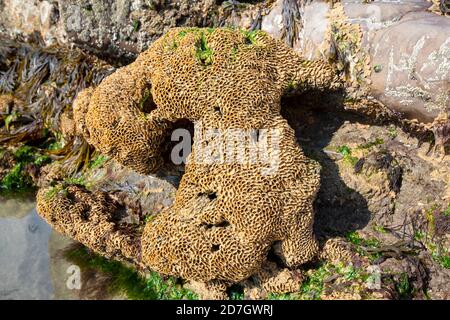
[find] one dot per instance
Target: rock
(402, 50)
(28, 16)
(111, 29)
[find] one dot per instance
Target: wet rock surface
(401, 54)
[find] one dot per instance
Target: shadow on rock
(339, 209)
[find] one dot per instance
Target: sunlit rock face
(407, 46)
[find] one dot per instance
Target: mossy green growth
(42, 160)
(55, 145)
(203, 53)
(149, 218)
(236, 293)
(354, 237)
(76, 180)
(362, 245)
(379, 229)
(185, 31)
(447, 211)
(146, 103)
(282, 296)
(168, 289)
(17, 179)
(439, 253)
(291, 88)
(136, 25)
(252, 36)
(377, 68)
(14, 116)
(24, 154)
(392, 132)
(347, 153)
(125, 280)
(312, 288)
(234, 53)
(369, 145)
(98, 162)
(403, 287)
(442, 259)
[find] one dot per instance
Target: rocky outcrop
(395, 54)
(110, 29)
(226, 215)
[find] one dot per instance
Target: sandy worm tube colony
(226, 216)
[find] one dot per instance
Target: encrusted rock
(226, 215)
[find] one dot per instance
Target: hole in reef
(217, 110)
(147, 104)
(85, 214)
(170, 171)
(273, 256)
(215, 247)
(235, 292)
(222, 224)
(210, 194)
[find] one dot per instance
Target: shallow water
(32, 264)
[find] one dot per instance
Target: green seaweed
(447, 211)
(392, 132)
(362, 245)
(347, 153)
(252, 36)
(17, 179)
(43, 83)
(136, 25)
(203, 53)
(377, 68)
(234, 52)
(369, 145)
(125, 280)
(312, 288)
(98, 161)
(379, 229)
(76, 180)
(403, 287)
(14, 116)
(236, 292)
